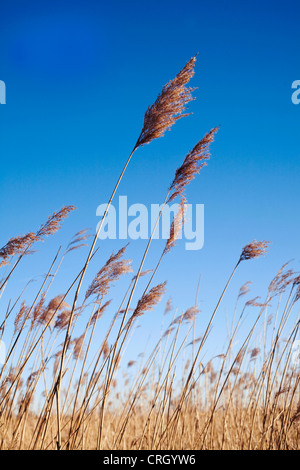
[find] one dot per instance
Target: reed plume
(79, 237)
(44, 315)
(21, 317)
(98, 314)
(148, 302)
(111, 271)
(78, 352)
(62, 320)
(176, 226)
(281, 281)
(254, 250)
(16, 246)
(254, 353)
(143, 273)
(193, 162)
(168, 307)
(254, 303)
(244, 289)
(189, 315)
(169, 106)
(20, 245)
(53, 223)
(38, 309)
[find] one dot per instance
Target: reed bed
(64, 388)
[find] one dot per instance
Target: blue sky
(79, 77)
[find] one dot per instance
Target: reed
(67, 382)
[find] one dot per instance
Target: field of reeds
(60, 389)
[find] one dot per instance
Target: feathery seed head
(244, 289)
(168, 107)
(111, 271)
(254, 250)
(148, 301)
(53, 223)
(193, 162)
(282, 280)
(176, 226)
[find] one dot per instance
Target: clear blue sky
(79, 77)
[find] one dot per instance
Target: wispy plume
(254, 250)
(53, 223)
(78, 351)
(44, 315)
(254, 303)
(111, 271)
(20, 245)
(148, 301)
(244, 289)
(168, 307)
(282, 280)
(16, 246)
(21, 317)
(189, 315)
(62, 320)
(169, 106)
(193, 162)
(38, 309)
(98, 314)
(143, 273)
(176, 226)
(77, 240)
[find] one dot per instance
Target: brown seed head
(168, 107)
(62, 320)
(244, 289)
(21, 317)
(254, 353)
(254, 303)
(282, 280)
(38, 309)
(105, 349)
(193, 162)
(16, 246)
(240, 356)
(176, 226)
(45, 315)
(98, 314)
(78, 347)
(143, 273)
(168, 307)
(254, 250)
(191, 313)
(148, 302)
(111, 271)
(53, 223)
(77, 240)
